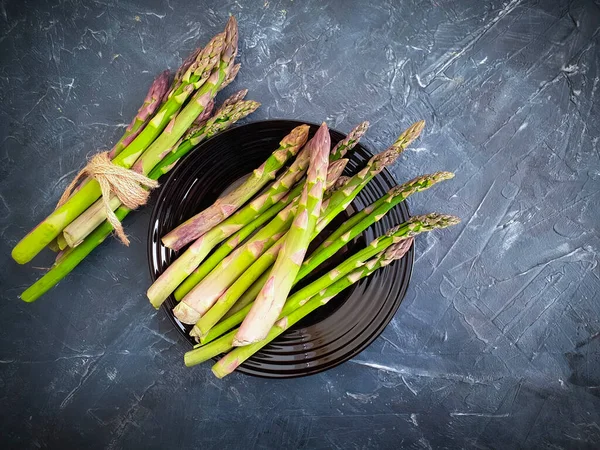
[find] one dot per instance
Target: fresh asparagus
(197, 104)
(367, 217)
(207, 266)
(414, 226)
(77, 230)
(333, 175)
(332, 206)
(269, 302)
(233, 292)
(205, 293)
(378, 162)
(69, 259)
(300, 300)
(224, 207)
(222, 50)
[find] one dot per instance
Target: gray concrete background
(496, 344)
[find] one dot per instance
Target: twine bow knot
(131, 188)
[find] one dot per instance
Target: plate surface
(335, 332)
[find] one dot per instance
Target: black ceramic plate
(337, 331)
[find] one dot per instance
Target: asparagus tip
(409, 135)
(433, 220)
(297, 137)
(335, 171)
(398, 250)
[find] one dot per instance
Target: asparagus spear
(73, 256)
(414, 226)
(331, 207)
(225, 343)
(269, 302)
(198, 103)
(333, 175)
(77, 230)
(367, 217)
(205, 293)
(230, 296)
(223, 45)
(207, 266)
(156, 96)
(183, 68)
(83, 225)
(227, 205)
(212, 313)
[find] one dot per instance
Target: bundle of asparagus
(258, 245)
(172, 120)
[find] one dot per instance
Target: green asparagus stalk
(224, 46)
(208, 265)
(230, 296)
(205, 293)
(413, 227)
(68, 262)
(77, 230)
(227, 205)
(246, 298)
(333, 175)
(151, 157)
(269, 302)
(231, 75)
(367, 217)
(198, 103)
(183, 68)
(225, 343)
(69, 259)
(376, 164)
(348, 143)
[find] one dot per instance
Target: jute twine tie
(126, 184)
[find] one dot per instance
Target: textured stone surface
(496, 344)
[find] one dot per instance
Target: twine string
(131, 188)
